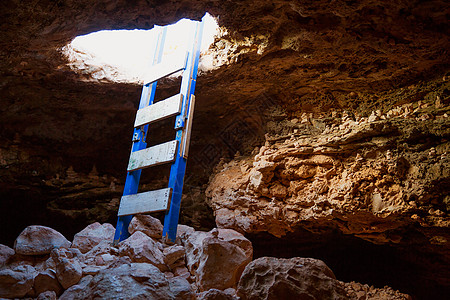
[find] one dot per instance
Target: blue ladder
(175, 152)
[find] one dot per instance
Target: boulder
(216, 258)
(78, 291)
(39, 240)
(48, 295)
(68, 267)
(215, 294)
(46, 281)
(102, 254)
(5, 254)
(92, 235)
(141, 248)
(146, 224)
(296, 278)
(16, 282)
(174, 256)
(130, 281)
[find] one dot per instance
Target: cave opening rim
(124, 55)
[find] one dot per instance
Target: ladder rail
(178, 167)
(139, 135)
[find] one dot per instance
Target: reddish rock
(48, 295)
(130, 281)
(5, 254)
(174, 256)
(39, 240)
(215, 294)
(217, 258)
(68, 267)
(147, 224)
(296, 278)
(47, 281)
(92, 235)
(17, 282)
(141, 248)
(78, 291)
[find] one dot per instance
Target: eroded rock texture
(314, 70)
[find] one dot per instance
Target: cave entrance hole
(125, 55)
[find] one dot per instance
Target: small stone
(47, 295)
(47, 281)
(146, 224)
(142, 249)
(5, 254)
(68, 268)
(92, 235)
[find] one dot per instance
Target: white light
(125, 55)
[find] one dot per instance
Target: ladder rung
(158, 200)
(156, 155)
(158, 111)
(165, 69)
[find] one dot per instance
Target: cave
(322, 131)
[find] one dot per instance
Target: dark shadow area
(353, 259)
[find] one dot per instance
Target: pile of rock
(200, 265)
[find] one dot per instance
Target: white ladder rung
(156, 155)
(153, 201)
(166, 68)
(158, 111)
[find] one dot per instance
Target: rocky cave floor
(323, 136)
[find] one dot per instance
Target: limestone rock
(47, 281)
(174, 256)
(39, 240)
(16, 282)
(92, 235)
(147, 224)
(130, 281)
(295, 278)
(5, 254)
(48, 295)
(78, 291)
(68, 267)
(141, 248)
(217, 258)
(215, 294)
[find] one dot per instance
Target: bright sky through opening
(125, 55)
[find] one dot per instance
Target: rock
(102, 254)
(174, 256)
(295, 278)
(39, 240)
(92, 235)
(215, 294)
(17, 282)
(78, 291)
(68, 267)
(141, 248)
(5, 254)
(130, 281)
(217, 258)
(146, 224)
(48, 295)
(46, 281)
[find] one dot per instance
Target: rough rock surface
(92, 235)
(39, 240)
(141, 248)
(147, 224)
(47, 281)
(205, 252)
(215, 259)
(5, 254)
(16, 282)
(68, 267)
(296, 278)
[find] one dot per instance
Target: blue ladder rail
(183, 122)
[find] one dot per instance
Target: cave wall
(65, 138)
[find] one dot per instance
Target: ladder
(175, 152)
